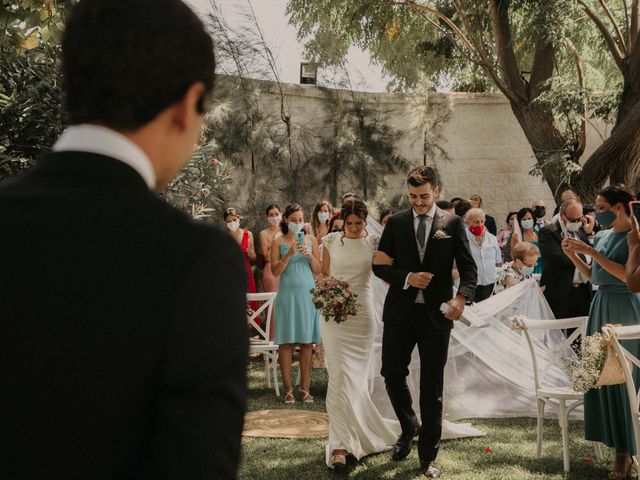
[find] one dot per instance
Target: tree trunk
(544, 137)
(615, 160)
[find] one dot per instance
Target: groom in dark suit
(122, 321)
(423, 241)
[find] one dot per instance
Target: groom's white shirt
(104, 141)
(421, 250)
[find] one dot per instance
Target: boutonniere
(441, 234)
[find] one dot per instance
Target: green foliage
(202, 185)
(31, 112)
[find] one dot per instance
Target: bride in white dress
(356, 427)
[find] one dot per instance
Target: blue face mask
(606, 218)
(323, 217)
(526, 270)
(296, 227)
(527, 224)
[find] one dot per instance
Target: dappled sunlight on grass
(512, 442)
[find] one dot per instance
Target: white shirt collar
(431, 213)
(104, 141)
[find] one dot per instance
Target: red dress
(251, 282)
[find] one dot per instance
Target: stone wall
(486, 151)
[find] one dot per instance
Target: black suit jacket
(490, 223)
(399, 241)
(557, 269)
(123, 335)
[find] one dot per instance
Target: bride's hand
(381, 258)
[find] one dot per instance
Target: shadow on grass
(512, 442)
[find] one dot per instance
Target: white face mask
(527, 224)
(296, 227)
(524, 270)
(323, 217)
(233, 226)
(275, 220)
(573, 226)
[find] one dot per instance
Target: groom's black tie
(422, 230)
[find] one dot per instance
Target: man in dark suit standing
(124, 339)
(424, 241)
(568, 294)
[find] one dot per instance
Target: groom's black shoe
(432, 471)
(403, 446)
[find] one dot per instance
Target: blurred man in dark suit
(124, 339)
(568, 294)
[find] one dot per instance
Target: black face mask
(539, 212)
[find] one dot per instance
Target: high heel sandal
(625, 472)
(338, 460)
(306, 396)
(288, 397)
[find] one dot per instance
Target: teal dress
(538, 267)
(607, 417)
(297, 317)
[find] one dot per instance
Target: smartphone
(299, 238)
(635, 210)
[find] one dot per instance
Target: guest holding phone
(607, 417)
(294, 257)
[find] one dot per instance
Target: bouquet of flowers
(334, 299)
(597, 365)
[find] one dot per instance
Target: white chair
(561, 399)
(263, 344)
(628, 366)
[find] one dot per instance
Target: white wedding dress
(355, 424)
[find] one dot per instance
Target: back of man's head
(125, 61)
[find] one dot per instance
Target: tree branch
(580, 142)
(504, 48)
(541, 68)
(616, 27)
(635, 24)
(611, 43)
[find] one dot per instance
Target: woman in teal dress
(607, 417)
(294, 257)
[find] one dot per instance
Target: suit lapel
(437, 224)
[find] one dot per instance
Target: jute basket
(612, 372)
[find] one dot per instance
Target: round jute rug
(286, 424)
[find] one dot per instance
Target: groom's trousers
(398, 341)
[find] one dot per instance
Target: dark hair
(588, 208)
(294, 207)
(124, 62)
(462, 207)
(230, 211)
(384, 213)
(617, 193)
(509, 215)
(354, 207)
(334, 217)
(456, 199)
(444, 205)
(271, 207)
(315, 223)
(521, 214)
(422, 175)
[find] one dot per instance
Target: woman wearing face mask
(245, 239)
(267, 236)
(504, 236)
(607, 418)
(485, 251)
(525, 258)
(526, 222)
(294, 257)
(336, 224)
(319, 224)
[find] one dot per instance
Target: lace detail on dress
(329, 241)
(374, 241)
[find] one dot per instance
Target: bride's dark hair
(355, 207)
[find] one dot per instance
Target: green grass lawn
(513, 442)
